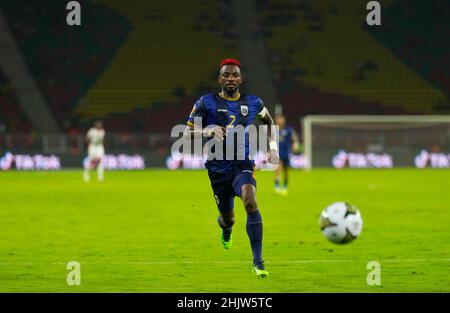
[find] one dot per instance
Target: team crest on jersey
(244, 110)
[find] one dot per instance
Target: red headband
(230, 62)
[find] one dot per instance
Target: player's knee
(250, 205)
(229, 221)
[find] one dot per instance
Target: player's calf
(226, 222)
(254, 222)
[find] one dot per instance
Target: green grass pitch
(156, 231)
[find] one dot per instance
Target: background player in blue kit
(220, 113)
(289, 142)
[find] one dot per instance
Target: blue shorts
(285, 160)
(228, 185)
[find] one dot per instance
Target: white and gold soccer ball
(341, 222)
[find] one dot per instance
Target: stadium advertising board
(29, 162)
(422, 159)
(188, 161)
(362, 160)
(121, 162)
(434, 160)
(342, 159)
(39, 162)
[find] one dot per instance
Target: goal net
(384, 141)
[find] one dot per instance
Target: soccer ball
(341, 222)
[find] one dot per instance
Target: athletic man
(96, 151)
(288, 142)
(220, 114)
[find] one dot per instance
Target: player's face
(230, 78)
(280, 121)
(98, 125)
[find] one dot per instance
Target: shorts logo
(244, 110)
(247, 171)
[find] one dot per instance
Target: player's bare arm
(295, 141)
(218, 132)
(265, 117)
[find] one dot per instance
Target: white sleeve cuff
(263, 112)
(273, 145)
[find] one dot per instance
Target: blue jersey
(285, 142)
(215, 110)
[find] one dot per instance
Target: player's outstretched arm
(265, 117)
(295, 141)
(215, 131)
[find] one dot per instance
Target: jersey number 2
(233, 119)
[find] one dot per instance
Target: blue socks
(277, 183)
(255, 232)
(226, 231)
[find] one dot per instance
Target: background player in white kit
(96, 151)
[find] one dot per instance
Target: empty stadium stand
(12, 118)
(325, 60)
(141, 66)
(65, 61)
(169, 54)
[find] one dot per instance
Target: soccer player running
(96, 151)
(220, 113)
(288, 141)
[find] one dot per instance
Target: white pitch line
(163, 262)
